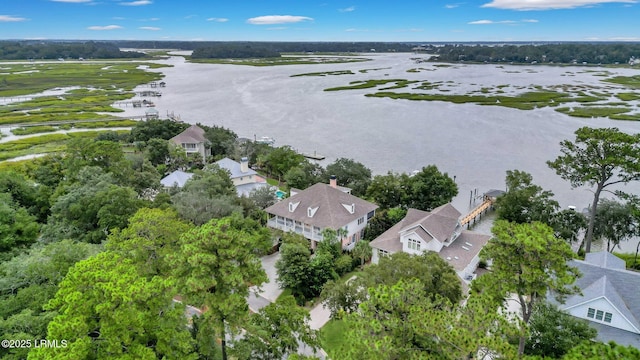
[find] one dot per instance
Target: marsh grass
(592, 111)
(355, 85)
(326, 73)
(281, 61)
(43, 144)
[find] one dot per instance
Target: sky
(322, 20)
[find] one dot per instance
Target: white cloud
(504, 22)
(277, 19)
(9, 18)
(451, 6)
(218, 19)
(108, 27)
(137, 3)
(548, 4)
(152, 28)
(349, 9)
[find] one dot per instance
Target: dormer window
(350, 208)
(293, 206)
(311, 211)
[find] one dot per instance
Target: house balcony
(306, 231)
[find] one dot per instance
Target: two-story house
(193, 141)
(609, 299)
(243, 177)
(322, 206)
(438, 230)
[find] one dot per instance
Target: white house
(610, 298)
(192, 140)
(321, 206)
(244, 178)
(438, 230)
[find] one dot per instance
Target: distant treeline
(234, 50)
(275, 47)
(22, 50)
(590, 53)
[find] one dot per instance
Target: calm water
(476, 144)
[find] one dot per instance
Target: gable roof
(191, 135)
(330, 204)
(440, 223)
(602, 276)
(390, 240)
(234, 168)
(177, 178)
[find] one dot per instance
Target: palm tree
(363, 251)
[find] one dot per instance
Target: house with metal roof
(243, 177)
(193, 141)
(322, 206)
(438, 230)
(609, 299)
(176, 179)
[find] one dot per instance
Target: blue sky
(322, 20)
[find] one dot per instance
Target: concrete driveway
(270, 289)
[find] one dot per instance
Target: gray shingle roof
(191, 135)
(234, 168)
(390, 240)
(441, 222)
(621, 287)
(330, 213)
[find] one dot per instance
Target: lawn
(332, 337)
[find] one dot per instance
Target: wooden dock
(477, 211)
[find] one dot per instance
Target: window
(599, 314)
(383, 253)
(361, 220)
(189, 146)
(413, 244)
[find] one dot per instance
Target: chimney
(244, 164)
(333, 182)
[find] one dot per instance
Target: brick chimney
(244, 164)
(333, 182)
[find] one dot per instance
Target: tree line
(562, 53)
(48, 50)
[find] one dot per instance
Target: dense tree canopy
(525, 202)
(528, 261)
(351, 174)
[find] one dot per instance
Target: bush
(344, 264)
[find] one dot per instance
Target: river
(476, 144)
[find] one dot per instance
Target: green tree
(106, 311)
(552, 332)
(293, 268)
(280, 160)
(152, 234)
(527, 261)
(429, 188)
(91, 208)
(390, 190)
(599, 158)
(276, 332)
(222, 140)
(27, 282)
(525, 202)
(568, 224)
(263, 197)
(351, 174)
(601, 351)
(615, 222)
(158, 129)
(362, 251)
(157, 151)
(18, 229)
(214, 269)
(437, 278)
(382, 221)
(305, 175)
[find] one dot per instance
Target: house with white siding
(243, 177)
(609, 299)
(193, 141)
(322, 206)
(438, 230)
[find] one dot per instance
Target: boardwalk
(477, 211)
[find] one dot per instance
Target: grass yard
(332, 337)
